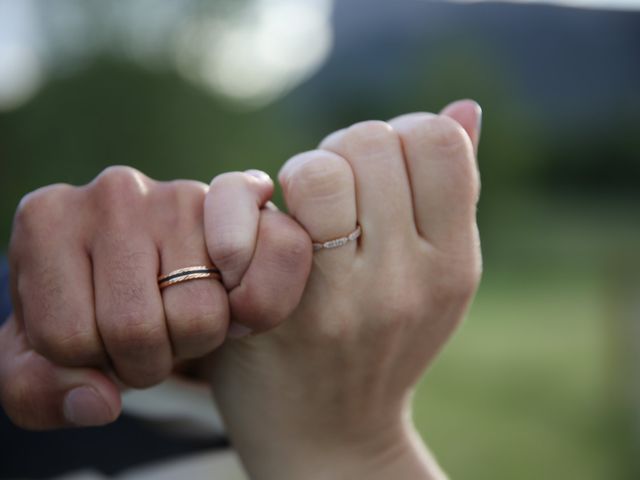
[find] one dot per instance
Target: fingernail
(259, 174)
(84, 407)
(479, 113)
(236, 331)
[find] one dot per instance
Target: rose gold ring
(338, 242)
(186, 274)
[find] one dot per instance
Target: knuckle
(322, 175)
(191, 324)
(201, 322)
(119, 186)
(42, 207)
(130, 332)
(143, 377)
(188, 194)
(229, 179)
(206, 328)
(370, 135)
(443, 132)
(370, 130)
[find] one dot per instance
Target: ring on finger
(338, 242)
(188, 273)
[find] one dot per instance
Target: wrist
(395, 455)
(393, 451)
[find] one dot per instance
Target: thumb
(468, 114)
(39, 395)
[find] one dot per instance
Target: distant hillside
(575, 65)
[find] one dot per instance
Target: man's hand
(327, 395)
(88, 310)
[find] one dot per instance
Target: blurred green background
(541, 381)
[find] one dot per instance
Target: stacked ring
(186, 274)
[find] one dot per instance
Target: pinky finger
(468, 114)
(275, 280)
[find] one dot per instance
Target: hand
(327, 394)
(84, 267)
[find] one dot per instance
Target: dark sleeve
(5, 302)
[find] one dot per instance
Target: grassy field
(532, 386)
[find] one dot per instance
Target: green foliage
(537, 383)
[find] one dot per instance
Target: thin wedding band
(186, 274)
(338, 242)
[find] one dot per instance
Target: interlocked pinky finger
(275, 280)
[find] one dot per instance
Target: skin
(326, 394)
(89, 317)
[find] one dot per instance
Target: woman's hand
(84, 269)
(327, 394)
